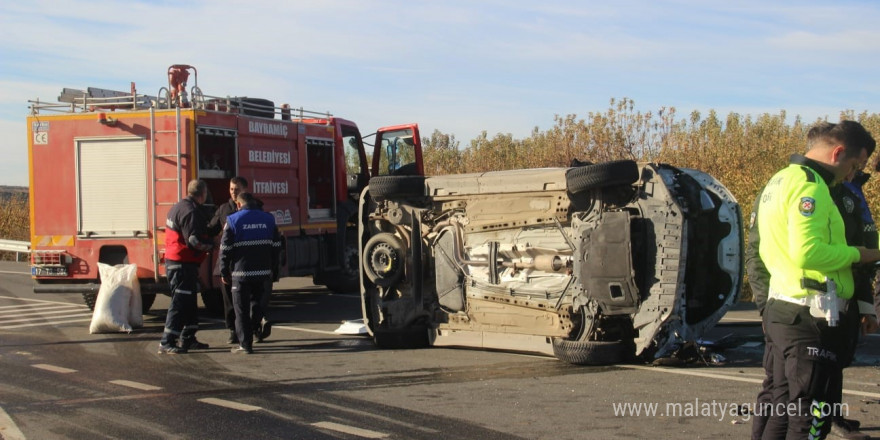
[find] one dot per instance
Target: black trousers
(182, 320)
(850, 327)
(805, 361)
(769, 393)
(247, 298)
(228, 306)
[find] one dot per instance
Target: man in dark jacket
(187, 243)
(237, 185)
(248, 258)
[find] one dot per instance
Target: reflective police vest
(802, 232)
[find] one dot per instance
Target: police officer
(803, 246)
(859, 313)
(860, 231)
(248, 255)
(187, 243)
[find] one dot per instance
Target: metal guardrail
(15, 246)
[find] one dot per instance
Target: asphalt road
(307, 382)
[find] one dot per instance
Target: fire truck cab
(106, 166)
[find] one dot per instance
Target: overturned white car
(595, 264)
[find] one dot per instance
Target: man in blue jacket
(248, 257)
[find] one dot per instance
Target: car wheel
(384, 259)
(386, 187)
(602, 175)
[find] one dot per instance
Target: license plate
(40, 271)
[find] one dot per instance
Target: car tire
(588, 352)
(384, 249)
(602, 175)
(387, 187)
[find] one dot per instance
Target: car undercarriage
(595, 264)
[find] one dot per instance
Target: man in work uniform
(187, 243)
(803, 245)
(237, 185)
(248, 257)
(860, 231)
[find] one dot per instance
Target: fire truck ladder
(156, 203)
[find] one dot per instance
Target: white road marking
(7, 327)
(53, 368)
(135, 385)
(15, 273)
(340, 408)
(307, 330)
(229, 404)
(37, 308)
(8, 429)
(30, 306)
(38, 300)
(32, 316)
(728, 377)
(366, 433)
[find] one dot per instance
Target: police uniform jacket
(186, 234)
(860, 231)
(802, 231)
(249, 246)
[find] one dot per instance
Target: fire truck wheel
(386, 187)
(347, 278)
(213, 301)
(601, 175)
(90, 298)
(147, 300)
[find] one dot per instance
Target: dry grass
(14, 220)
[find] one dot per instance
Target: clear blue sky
(461, 67)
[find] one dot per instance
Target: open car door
(398, 152)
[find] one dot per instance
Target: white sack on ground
(118, 306)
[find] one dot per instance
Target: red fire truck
(106, 166)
